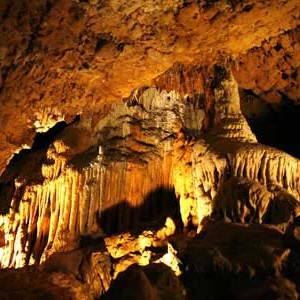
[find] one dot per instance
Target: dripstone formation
(143, 163)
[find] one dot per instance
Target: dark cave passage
(274, 125)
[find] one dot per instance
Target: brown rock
(155, 281)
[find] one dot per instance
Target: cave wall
(125, 126)
(60, 59)
(146, 146)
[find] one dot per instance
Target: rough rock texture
(151, 282)
(243, 261)
(145, 133)
(63, 58)
(78, 195)
(273, 68)
(29, 284)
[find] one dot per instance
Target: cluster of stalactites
(142, 148)
(230, 150)
(267, 165)
(51, 216)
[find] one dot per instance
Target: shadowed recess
(273, 124)
(157, 205)
(25, 166)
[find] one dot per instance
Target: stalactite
(71, 199)
(149, 143)
(268, 166)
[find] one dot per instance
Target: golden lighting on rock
(171, 260)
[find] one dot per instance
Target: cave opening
(273, 124)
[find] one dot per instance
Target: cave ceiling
(153, 142)
(60, 59)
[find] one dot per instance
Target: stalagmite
(152, 156)
(149, 149)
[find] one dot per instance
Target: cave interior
(149, 150)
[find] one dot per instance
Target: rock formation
(134, 149)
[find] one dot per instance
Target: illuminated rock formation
(141, 146)
(143, 134)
